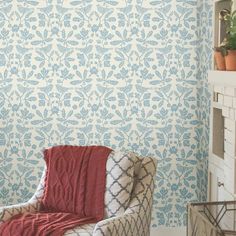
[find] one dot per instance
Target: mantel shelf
(224, 78)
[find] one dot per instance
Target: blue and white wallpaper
(129, 74)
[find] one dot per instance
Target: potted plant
(225, 55)
(230, 42)
(219, 56)
(221, 51)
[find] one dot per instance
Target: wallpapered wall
(128, 74)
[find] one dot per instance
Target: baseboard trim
(163, 231)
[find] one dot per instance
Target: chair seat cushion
(83, 230)
(119, 182)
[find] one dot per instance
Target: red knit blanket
(74, 193)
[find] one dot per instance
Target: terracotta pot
(230, 60)
(220, 61)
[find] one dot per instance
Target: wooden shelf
(224, 78)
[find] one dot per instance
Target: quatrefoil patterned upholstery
(119, 182)
(129, 217)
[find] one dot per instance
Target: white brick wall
(225, 111)
(227, 100)
(228, 91)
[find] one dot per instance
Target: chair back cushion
(119, 182)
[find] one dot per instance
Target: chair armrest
(123, 225)
(9, 211)
(32, 205)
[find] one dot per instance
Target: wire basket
(212, 219)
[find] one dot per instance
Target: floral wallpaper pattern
(128, 74)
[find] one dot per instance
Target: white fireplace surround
(222, 153)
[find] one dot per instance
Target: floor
(169, 232)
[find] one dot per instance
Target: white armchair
(134, 221)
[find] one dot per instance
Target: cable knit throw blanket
(74, 193)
